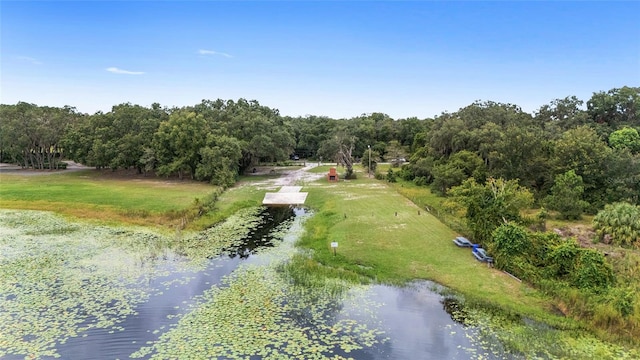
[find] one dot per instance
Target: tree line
(562, 152)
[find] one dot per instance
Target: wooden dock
(287, 195)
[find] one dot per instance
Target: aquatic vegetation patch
(55, 285)
(213, 241)
(497, 333)
(259, 313)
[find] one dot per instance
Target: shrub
(620, 222)
(592, 271)
(562, 259)
(391, 177)
(420, 181)
(622, 299)
(405, 173)
(510, 240)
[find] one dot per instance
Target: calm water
(413, 318)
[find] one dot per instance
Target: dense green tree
(407, 129)
(523, 153)
(566, 196)
(480, 113)
(178, 142)
(583, 151)
(448, 135)
(619, 106)
(489, 205)
(310, 132)
(459, 167)
(219, 160)
(625, 138)
(561, 115)
(623, 177)
(447, 175)
(32, 136)
(484, 140)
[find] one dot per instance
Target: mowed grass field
(99, 195)
(382, 234)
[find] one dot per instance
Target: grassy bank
(383, 235)
(103, 196)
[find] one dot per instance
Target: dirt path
(289, 177)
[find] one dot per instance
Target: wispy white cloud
(30, 59)
(211, 52)
(115, 70)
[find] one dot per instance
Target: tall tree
(561, 114)
(618, 106)
(339, 149)
(459, 167)
(522, 152)
(220, 160)
(178, 141)
(566, 195)
(32, 136)
(582, 150)
(625, 138)
(489, 205)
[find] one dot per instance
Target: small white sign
(334, 244)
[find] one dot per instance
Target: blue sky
(339, 59)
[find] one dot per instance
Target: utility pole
(369, 169)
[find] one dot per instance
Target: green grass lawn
(382, 234)
(98, 195)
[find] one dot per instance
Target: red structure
(332, 176)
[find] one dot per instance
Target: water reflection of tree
(454, 307)
(262, 235)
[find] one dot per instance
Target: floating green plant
(59, 278)
(259, 313)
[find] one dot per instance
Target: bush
(562, 260)
(349, 176)
(420, 181)
(592, 271)
(405, 173)
(391, 177)
(510, 240)
(619, 222)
